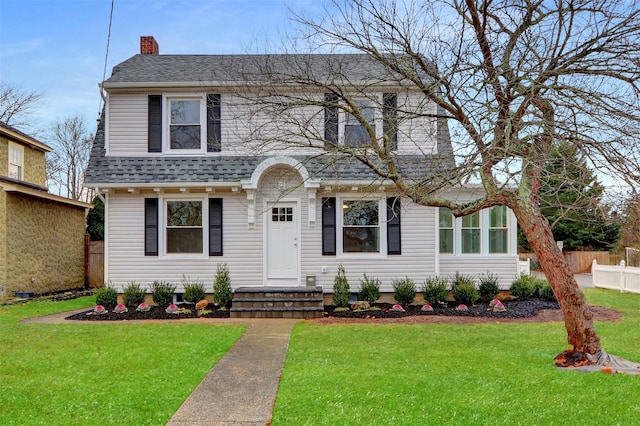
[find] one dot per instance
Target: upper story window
(16, 161)
(355, 132)
(184, 124)
(360, 226)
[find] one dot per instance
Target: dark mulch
(515, 309)
(155, 313)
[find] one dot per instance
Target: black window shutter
(393, 226)
(328, 226)
(214, 124)
(155, 123)
(390, 118)
(215, 227)
(330, 120)
(150, 226)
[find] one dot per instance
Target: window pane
(445, 218)
(446, 241)
(360, 213)
(185, 112)
(184, 240)
(185, 137)
(498, 217)
(360, 239)
(470, 240)
(184, 213)
(498, 240)
(471, 221)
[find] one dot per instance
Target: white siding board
(128, 129)
(505, 267)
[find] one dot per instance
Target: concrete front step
(277, 302)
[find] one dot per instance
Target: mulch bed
(534, 310)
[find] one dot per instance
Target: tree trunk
(577, 315)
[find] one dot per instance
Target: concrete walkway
(241, 388)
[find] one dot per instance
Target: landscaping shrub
(222, 293)
(107, 296)
(133, 294)
(524, 287)
(341, 292)
(369, 289)
(193, 292)
(404, 291)
(459, 278)
(435, 290)
(488, 287)
(162, 293)
(546, 292)
(465, 292)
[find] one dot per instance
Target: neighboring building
(185, 192)
(41, 234)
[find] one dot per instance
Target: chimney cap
(149, 46)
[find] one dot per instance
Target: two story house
(196, 170)
(41, 234)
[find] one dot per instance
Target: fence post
(623, 281)
(594, 271)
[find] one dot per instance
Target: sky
(58, 47)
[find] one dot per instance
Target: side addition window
(498, 230)
(445, 221)
(470, 233)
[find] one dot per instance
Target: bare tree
(66, 165)
(16, 105)
(511, 77)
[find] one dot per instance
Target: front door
(282, 244)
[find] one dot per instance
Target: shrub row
(435, 290)
(162, 292)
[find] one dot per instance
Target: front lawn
(78, 374)
(456, 374)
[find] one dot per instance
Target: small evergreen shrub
(193, 292)
(546, 292)
(222, 293)
(404, 290)
(465, 293)
(523, 287)
(133, 294)
(489, 287)
(107, 296)
(369, 289)
(435, 290)
(459, 278)
(162, 293)
(341, 292)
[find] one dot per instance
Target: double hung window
(16, 161)
(498, 229)
(185, 124)
(445, 219)
(184, 226)
(483, 232)
(360, 226)
(356, 133)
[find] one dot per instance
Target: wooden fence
(580, 261)
(95, 263)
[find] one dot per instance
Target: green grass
(79, 374)
(456, 374)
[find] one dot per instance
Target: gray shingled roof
(228, 69)
(159, 70)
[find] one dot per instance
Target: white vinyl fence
(616, 277)
(524, 266)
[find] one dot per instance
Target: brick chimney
(149, 46)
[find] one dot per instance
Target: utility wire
(106, 56)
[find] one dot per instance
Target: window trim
(382, 228)
(19, 148)
(166, 123)
(204, 225)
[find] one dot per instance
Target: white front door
(282, 244)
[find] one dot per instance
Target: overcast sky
(57, 47)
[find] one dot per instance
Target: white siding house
(194, 175)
